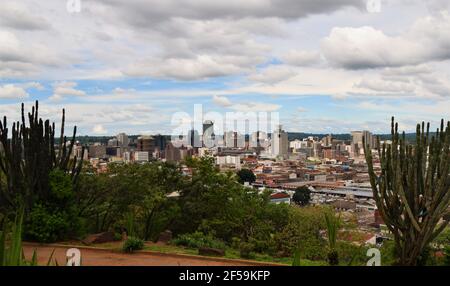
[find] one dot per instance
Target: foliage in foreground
(412, 190)
(37, 176)
(11, 251)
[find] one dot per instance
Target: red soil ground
(98, 257)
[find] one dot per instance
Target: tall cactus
(28, 156)
(411, 189)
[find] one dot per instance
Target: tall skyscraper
(280, 143)
(208, 133)
(147, 144)
(123, 140)
(357, 141)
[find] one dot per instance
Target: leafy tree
(302, 196)
(246, 175)
(56, 218)
(303, 233)
(139, 190)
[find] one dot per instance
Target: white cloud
(221, 101)
(366, 47)
(272, 74)
(301, 58)
(99, 129)
(255, 107)
(64, 89)
(17, 16)
(11, 91)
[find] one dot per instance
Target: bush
(447, 255)
(302, 232)
(197, 240)
(246, 250)
(132, 244)
(44, 226)
(117, 236)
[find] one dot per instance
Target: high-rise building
(147, 144)
(122, 140)
(208, 136)
(233, 139)
(141, 156)
(160, 142)
(280, 143)
(97, 151)
(194, 139)
(357, 141)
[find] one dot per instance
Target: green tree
(139, 190)
(246, 175)
(412, 188)
(302, 233)
(302, 196)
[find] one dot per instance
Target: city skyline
(325, 66)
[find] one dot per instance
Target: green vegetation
(246, 175)
(302, 196)
(412, 191)
(11, 251)
(332, 227)
(132, 244)
(197, 240)
(37, 178)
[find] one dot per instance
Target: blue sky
(324, 66)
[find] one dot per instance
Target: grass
(230, 253)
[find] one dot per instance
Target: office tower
(233, 139)
(208, 133)
(357, 140)
(147, 144)
(194, 139)
(123, 140)
(280, 143)
(160, 142)
(97, 151)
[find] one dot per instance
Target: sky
(326, 66)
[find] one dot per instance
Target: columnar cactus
(28, 156)
(412, 188)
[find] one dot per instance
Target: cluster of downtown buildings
(333, 169)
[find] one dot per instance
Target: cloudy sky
(328, 66)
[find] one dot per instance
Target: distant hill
(410, 137)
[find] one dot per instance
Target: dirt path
(95, 257)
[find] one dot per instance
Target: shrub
(246, 250)
(302, 232)
(132, 244)
(117, 236)
(447, 255)
(44, 226)
(197, 240)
